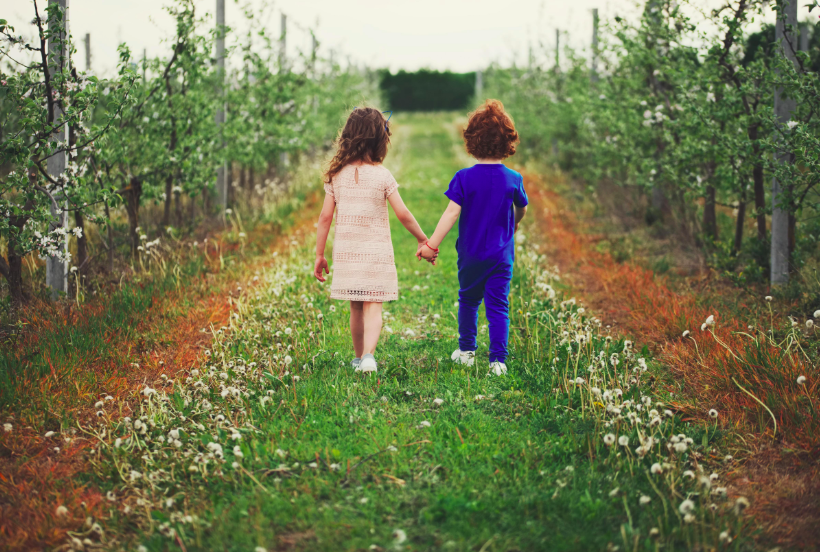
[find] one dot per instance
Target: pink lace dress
(363, 265)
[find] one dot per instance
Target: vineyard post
(805, 29)
(593, 75)
(88, 51)
(56, 275)
(783, 108)
(283, 37)
(479, 86)
(221, 181)
(283, 68)
(314, 52)
(557, 62)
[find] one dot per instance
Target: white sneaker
(497, 368)
(368, 363)
(466, 358)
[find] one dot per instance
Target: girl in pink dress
(358, 189)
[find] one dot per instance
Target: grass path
(274, 442)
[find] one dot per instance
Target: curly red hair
(490, 132)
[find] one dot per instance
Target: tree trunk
(760, 189)
(82, 245)
(741, 217)
(132, 207)
(169, 196)
(709, 214)
(13, 272)
(110, 240)
(178, 208)
(792, 233)
(229, 179)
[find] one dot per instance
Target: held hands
(321, 263)
(425, 252)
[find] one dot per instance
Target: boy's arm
(325, 219)
(445, 224)
(520, 211)
(406, 217)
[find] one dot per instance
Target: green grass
(335, 460)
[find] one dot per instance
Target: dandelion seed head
(687, 507)
(801, 380)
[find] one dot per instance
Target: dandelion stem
(761, 404)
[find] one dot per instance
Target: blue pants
(492, 284)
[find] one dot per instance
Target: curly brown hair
(490, 132)
(364, 138)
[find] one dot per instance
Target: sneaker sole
(368, 368)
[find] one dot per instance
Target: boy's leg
(357, 327)
(372, 313)
(468, 302)
(497, 304)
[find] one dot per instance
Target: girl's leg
(357, 327)
(372, 313)
(497, 303)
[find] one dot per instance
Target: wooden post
(593, 75)
(221, 181)
(314, 50)
(283, 42)
(805, 30)
(88, 51)
(479, 87)
(786, 40)
(557, 49)
(56, 274)
(144, 63)
(283, 68)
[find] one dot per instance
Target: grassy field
(274, 442)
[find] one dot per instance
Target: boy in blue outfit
(491, 201)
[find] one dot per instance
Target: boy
(491, 201)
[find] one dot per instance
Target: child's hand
(321, 263)
(427, 253)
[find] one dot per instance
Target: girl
(491, 201)
(357, 186)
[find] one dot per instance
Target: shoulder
(383, 173)
(513, 174)
(464, 173)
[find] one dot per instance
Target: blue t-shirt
(486, 194)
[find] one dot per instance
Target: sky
(457, 35)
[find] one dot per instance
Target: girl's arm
(406, 217)
(445, 224)
(325, 219)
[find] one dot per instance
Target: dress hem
(364, 299)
